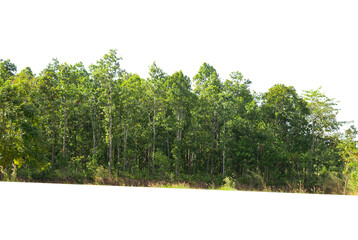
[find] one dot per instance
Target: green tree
(208, 88)
(48, 87)
(323, 127)
(131, 97)
(156, 81)
(107, 71)
(238, 109)
(285, 113)
(349, 154)
(180, 99)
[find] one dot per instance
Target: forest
(104, 125)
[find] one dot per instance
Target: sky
(305, 44)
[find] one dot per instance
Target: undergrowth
(329, 183)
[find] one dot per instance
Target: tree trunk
(64, 130)
(3, 121)
(135, 154)
(224, 153)
(53, 138)
(345, 185)
(189, 162)
(118, 156)
(179, 138)
(153, 156)
(168, 146)
(310, 168)
(93, 118)
(177, 157)
(124, 148)
(110, 134)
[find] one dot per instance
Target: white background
(306, 44)
(58, 211)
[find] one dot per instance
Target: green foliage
(253, 179)
(8, 174)
(331, 182)
(100, 174)
(229, 184)
(176, 185)
(102, 124)
(7, 70)
(353, 181)
(91, 166)
(165, 166)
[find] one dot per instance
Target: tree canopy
(77, 121)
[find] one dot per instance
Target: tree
(33, 147)
(349, 154)
(48, 87)
(7, 70)
(107, 72)
(208, 87)
(72, 122)
(323, 126)
(131, 101)
(180, 99)
(157, 78)
(237, 113)
(285, 113)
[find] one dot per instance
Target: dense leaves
(71, 121)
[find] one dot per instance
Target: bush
(229, 184)
(42, 175)
(253, 179)
(330, 182)
(353, 182)
(91, 167)
(8, 174)
(100, 175)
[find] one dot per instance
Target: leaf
(18, 162)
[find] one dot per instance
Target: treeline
(72, 120)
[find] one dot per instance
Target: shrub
(255, 180)
(229, 184)
(8, 174)
(100, 175)
(353, 182)
(330, 182)
(91, 167)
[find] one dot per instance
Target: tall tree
(157, 78)
(286, 113)
(208, 87)
(237, 105)
(48, 84)
(131, 97)
(180, 98)
(107, 71)
(349, 154)
(323, 125)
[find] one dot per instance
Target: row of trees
(69, 118)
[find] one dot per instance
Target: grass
(172, 185)
(226, 186)
(101, 176)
